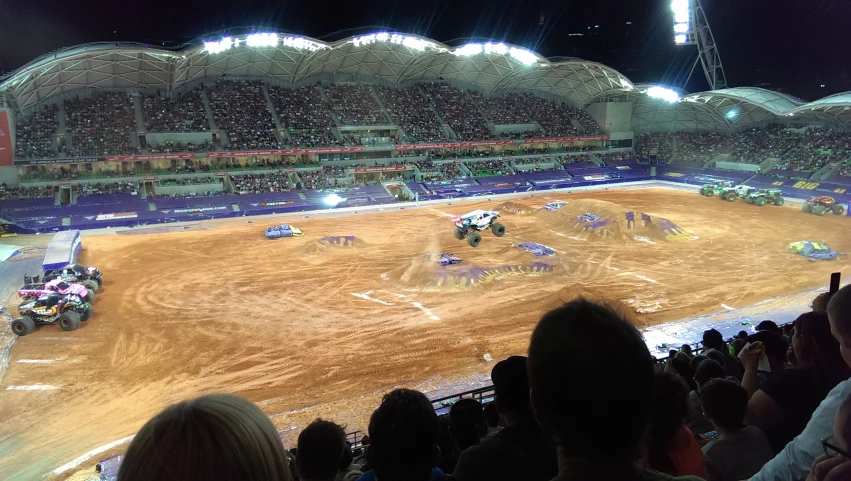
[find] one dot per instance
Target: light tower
(692, 28)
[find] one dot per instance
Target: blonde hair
(217, 437)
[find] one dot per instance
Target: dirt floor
(309, 327)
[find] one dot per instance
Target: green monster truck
(761, 197)
(731, 193)
(714, 188)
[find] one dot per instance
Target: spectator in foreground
(348, 470)
(713, 340)
(783, 405)
(821, 301)
(797, 457)
(320, 451)
(519, 451)
(740, 451)
(467, 423)
(835, 465)
(176, 444)
(403, 435)
(595, 403)
(492, 416)
(706, 371)
(673, 448)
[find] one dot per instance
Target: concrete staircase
(596, 160)
(445, 126)
(378, 101)
(826, 171)
(211, 119)
(271, 106)
(334, 117)
(488, 122)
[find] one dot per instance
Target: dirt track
(225, 310)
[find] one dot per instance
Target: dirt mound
(332, 243)
(514, 208)
(601, 221)
(427, 275)
(625, 307)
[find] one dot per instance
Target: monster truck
(470, 224)
(90, 277)
(821, 204)
(58, 286)
(443, 259)
(67, 311)
(761, 197)
(283, 230)
(714, 187)
(732, 193)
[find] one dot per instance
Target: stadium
(172, 171)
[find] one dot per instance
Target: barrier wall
(63, 249)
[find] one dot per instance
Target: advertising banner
(199, 210)
(127, 158)
(450, 145)
(251, 153)
(361, 170)
(76, 160)
(6, 152)
(116, 215)
(565, 139)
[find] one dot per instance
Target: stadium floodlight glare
(262, 40)
(523, 56)
(680, 38)
(680, 27)
(469, 50)
(302, 43)
(411, 42)
(663, 93)
(218, 47)
(332, 200)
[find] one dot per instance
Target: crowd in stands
(354, 104)
(305, 116)
(260, 183)
(315, 179)
(241, 109)
(504, 109)
(571, 410)
(8, 192)
(412, 113)
(202, 180)
(97, 188)
(844, 169)
(34, 135)
(101, 125)
(184, 113)
(815, 148)
(433, 171)
(489, 167)
(458, 110)
(654, 145)
(575, 159)
(170, 146)
(617, 157)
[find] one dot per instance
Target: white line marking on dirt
(402, 296)
(441, 212)
(644, 239)
(643, 278)
(725, 306)
(58, 338)
(366, 296)
(94, 452)
(37, 361)
(32, 387)
(577, 238)
(426, 310)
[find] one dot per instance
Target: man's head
(712, 339)
(707, 371)
(403, 434)
(320, 449)
(839, 312)
(821, 301)
(511, 385)
(581, 393)
(467, 422)
(770, 326)
(724, 403)
(742, 335)
(686, 349)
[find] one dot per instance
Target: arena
(173, 194)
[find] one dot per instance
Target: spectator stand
(441, 170)
(488, 167)
(537, 163)
(189, 185)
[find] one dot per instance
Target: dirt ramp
(332, 243)
(428, 275)
(514, 208)
(601, 221)
(596, 294)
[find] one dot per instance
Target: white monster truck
(470, 224)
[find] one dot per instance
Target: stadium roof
(291, 60)
(397, 59)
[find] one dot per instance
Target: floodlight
(680, 38)
(469, 49)
(262, 40)
(681, 27)
(663, 93)
(523, 56)
(332, 200)
(218, 47)
(732, 113)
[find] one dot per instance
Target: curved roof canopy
(391, 58)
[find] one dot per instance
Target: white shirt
(796, 459)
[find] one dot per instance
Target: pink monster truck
(55, 286)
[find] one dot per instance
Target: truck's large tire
(749, 200)
(710, 193)
(90, 296)
(23, 325)
(778, 200)
(838, 209)
(807, 207)
(460, 234)
(90, 285)
(761, 201)
(730, 196)
(474, 239)
(69, 321)
(498, 229)
(87, 314)
(820, 210)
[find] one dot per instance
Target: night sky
(790, 45)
